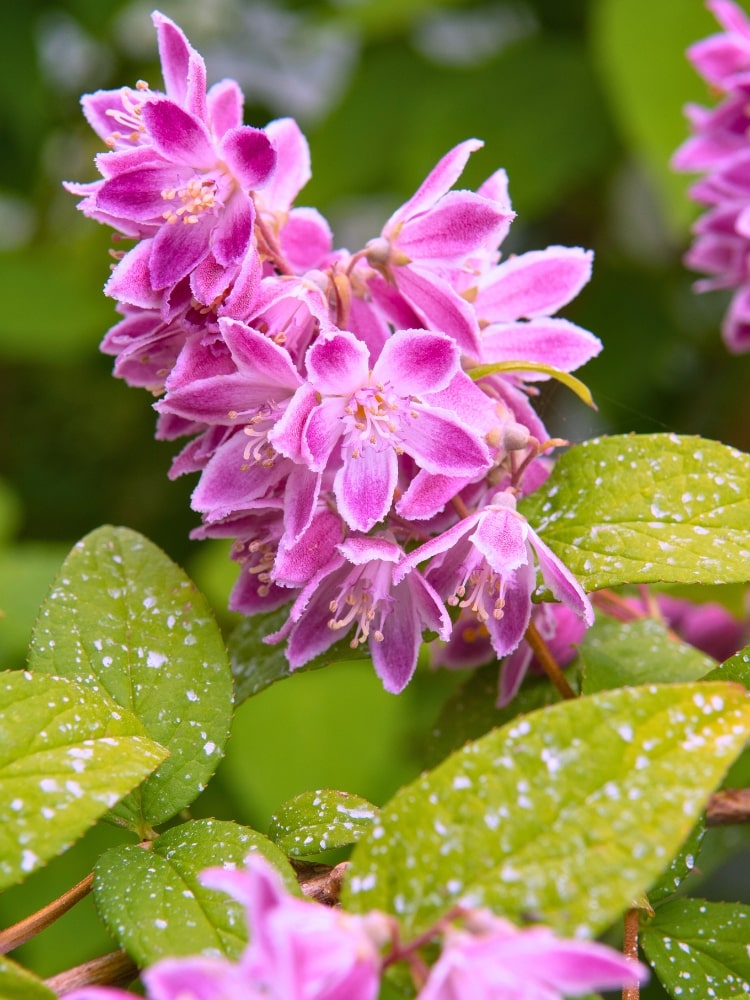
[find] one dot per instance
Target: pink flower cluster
(300, 950)
(356, 419)
(720, 149)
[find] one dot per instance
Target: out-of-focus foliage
(581, 103)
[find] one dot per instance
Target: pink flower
(494, 959)
(485, 564)
(179, 178)
(299, 950)
(376, 415)
(358, 588)
(719, 146)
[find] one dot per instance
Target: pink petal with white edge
(229, 481)
(300, 500)
(178, 136)
(245, 288)
(507, 632)
(296, 564)
(97, 105)
(137, 194)
(131, 280)
(360, 551)
(249, 155)
(259, 357)
(181, 66)
(533, 284)
(306, 239)
(293, 170)
(440, 179)
(224, 107)
(442, 308)
(415, 362)
(233, 230)
(177, 249)
(395, 657)
(560, 580)
(338, 364)
(440, 443)
(427, 495)
(364, 487)
(500, 535)
(287, 435)
(322, 430)
(460, 224)
(545, 341)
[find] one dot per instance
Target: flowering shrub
(362, 427)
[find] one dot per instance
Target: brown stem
(24, 930)
(630, 949)
(732, 805)
(115, 969)
(548, 662)
(320, 882)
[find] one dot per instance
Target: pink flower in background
(180, 180)
(720, 148)
(494, 959)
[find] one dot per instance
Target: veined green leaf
(646, 508)
(568, 813)
(123, 618)
(67, 754)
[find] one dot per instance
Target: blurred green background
(579, 100)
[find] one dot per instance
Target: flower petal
(364, 487)
(416, 362)
(177, 135)
(533, 284)
(440, 179)
(337, 364)
(249, 154)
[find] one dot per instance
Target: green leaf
(700, 949)
(256, 665)
(124, 618)
(645, 508)
(574, 384)
(568, 813)
(319, 821)
(736, 668)
(683, 864)
(614, 654)
(472, 711)
(67, 754)
(154, 903)
(17, 983)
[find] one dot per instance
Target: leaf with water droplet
(645, 508)
(123, 618)
(67, 754)
(319, 821)
(615, 653)
(154, 903)
(471, 711)
(699, 949)
(683, 864)
(17, 983)
(566, 814)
